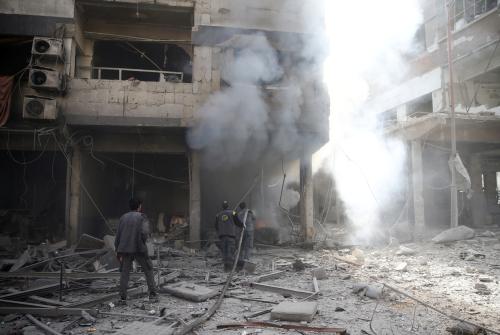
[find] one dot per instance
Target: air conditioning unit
(44, 79)
(41, 108)
(48, 47)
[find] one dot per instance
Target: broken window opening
(144, 61)
(15, 54)
(467, 11)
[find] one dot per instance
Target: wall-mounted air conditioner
(44, 79)
(48, 47)
(41, 108)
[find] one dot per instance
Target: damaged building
(100, 98)
(418, 110)
(193, 106)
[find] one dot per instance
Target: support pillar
(418, 189)
(306, 199)
(194, 199)
(74, 197)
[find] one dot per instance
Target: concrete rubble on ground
(340, 289)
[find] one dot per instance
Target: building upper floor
(154, 63)
(475, 57)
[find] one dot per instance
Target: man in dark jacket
(130, 245)
(225, 225)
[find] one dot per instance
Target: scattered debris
(295, 311)
(466, 329)
(482, 289)
(190, 291)
(282, 290)
(298, 265)
(261, 324)
(454, 234)
(405, 251)
(319, 273)
(401, 266)
(370, 291)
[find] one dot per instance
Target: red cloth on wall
(6, 85)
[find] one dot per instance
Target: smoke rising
(367, 39)
(233, 126)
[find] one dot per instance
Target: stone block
(155, 98)
(169, 87)
(178, 88)
(187, 88)
(109, 241)
(190, 291)
(295, 311)
(454, 234)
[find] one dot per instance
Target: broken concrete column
(194, 199)
(74, 198)
(306, 198)
(418, 189)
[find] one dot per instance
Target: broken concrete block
(482, 289)
(401, 266)
(374, 291)
(295, 311)
(88, 242)
(465, 329)
(319, 273)
(109, 242)
(405, 251)
(190, 291)
(454, 234)
(370, 291)
(21, 261)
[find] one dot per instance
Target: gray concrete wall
(57, 8)
(108, 102)
(278, 15)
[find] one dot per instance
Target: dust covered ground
(459, 278)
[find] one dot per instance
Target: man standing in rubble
(226, 224)
(130, 245)
(247, 247)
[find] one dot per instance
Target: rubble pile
(420, 288)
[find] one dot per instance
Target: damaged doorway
(160, 180)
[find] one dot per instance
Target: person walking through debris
(226, 223)
(130, 245)
(246, 251)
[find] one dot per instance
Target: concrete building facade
(105, 93)
(417, 109)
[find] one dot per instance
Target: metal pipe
(453, 186)
(61, 280)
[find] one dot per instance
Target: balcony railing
(114, 73)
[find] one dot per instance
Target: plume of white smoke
(233, 125)
(367, 39)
